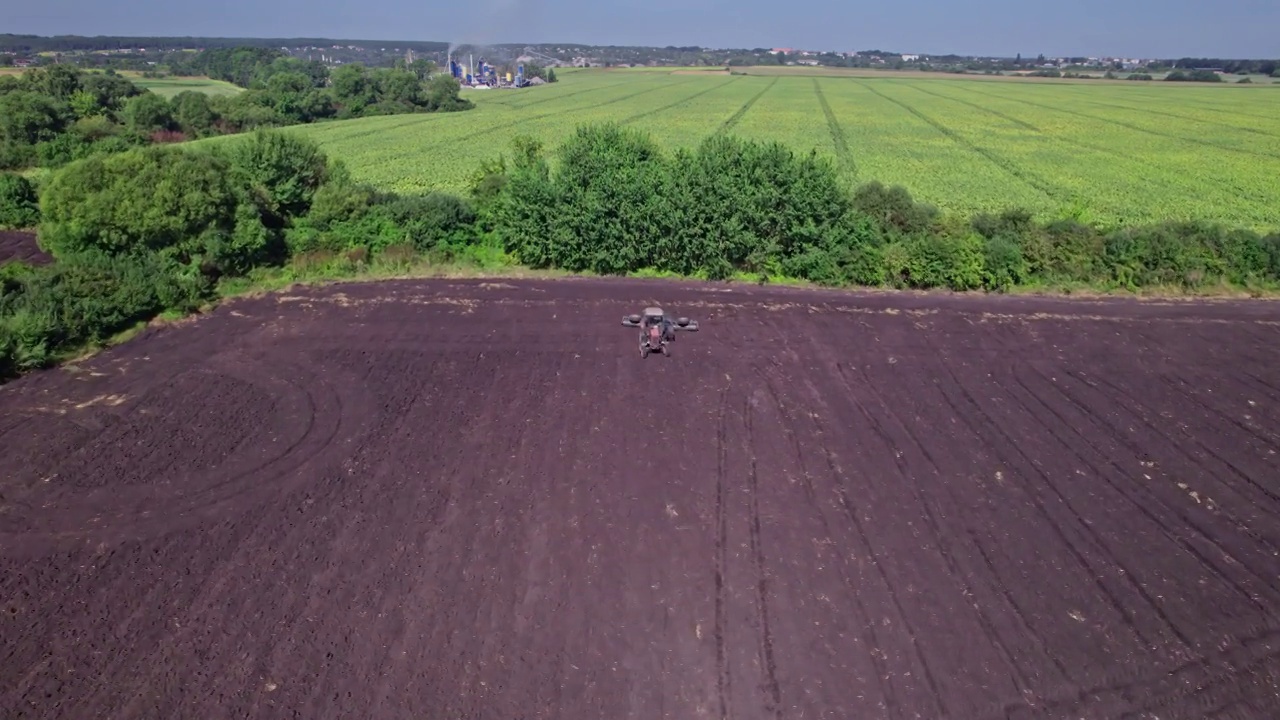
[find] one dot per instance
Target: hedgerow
(157, 229)
(610, 201)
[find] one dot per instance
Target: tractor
(657, 330)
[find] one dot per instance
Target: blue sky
(1144, 28)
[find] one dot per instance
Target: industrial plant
(485, 75)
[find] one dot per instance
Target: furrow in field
(896, 146)
(1139, 179)
(832, 556)
(733, 119)
(1234, 563)
(786, 113)
(662, 109)
(772, 690)
(1213, 126)
(695, 121)
(1208, 183)
(1023, 174)
(1005, 500)
(843, 154)
(1268, 112)
(530, 102)
(1129, 123)
(347, 133)
(933, 489)
(724, 681)
(1248, 495)
(1086, 511)
(901, 648)
(1180, 104)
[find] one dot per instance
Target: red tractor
(657, 330)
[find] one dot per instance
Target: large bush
(163, 200)
(279, 172)
(615, 203)
(224, 210)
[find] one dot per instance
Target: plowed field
(22, 246)
(475, 500)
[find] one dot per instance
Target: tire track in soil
(380, 129)
(1260, 421)
(870, 638)
(1140, 410)
(532, 118)
(724, 685)
(678, 103)
(774, 701)
(1142, 507)
(737, 115)
(1019, 678)
(837, 133)
(1129, 126)
(456, 562)
(1118, 692)
(1269, 440)
(1180, 448)
(912, 633)
(251, 469)
(1123, 490)
(1176, 116)
(995, 430)
(1031, 179)
(1158, 174)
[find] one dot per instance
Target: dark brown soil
(21, 245)
(475, 500)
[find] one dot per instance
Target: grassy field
(170, 86)
(1131, 152)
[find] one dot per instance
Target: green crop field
(1121, 152)
(170, 86)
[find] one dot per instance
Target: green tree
(148, 113)
(154, 200)
(279, 174)
(27, 117)
(192, 112)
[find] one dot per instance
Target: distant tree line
(52, 115)
(166, 52)
(32, 44)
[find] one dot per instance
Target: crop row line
(843, 153)
(1031, 179)
(733, 120)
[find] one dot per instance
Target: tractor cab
(653, 316)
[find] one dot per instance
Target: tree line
(170, 228)
(52, 115)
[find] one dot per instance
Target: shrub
(945, 261)
(1003, 265)
(279, 173)
(86, 298)
(893, 208)
(179, 204)
(19, 205)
